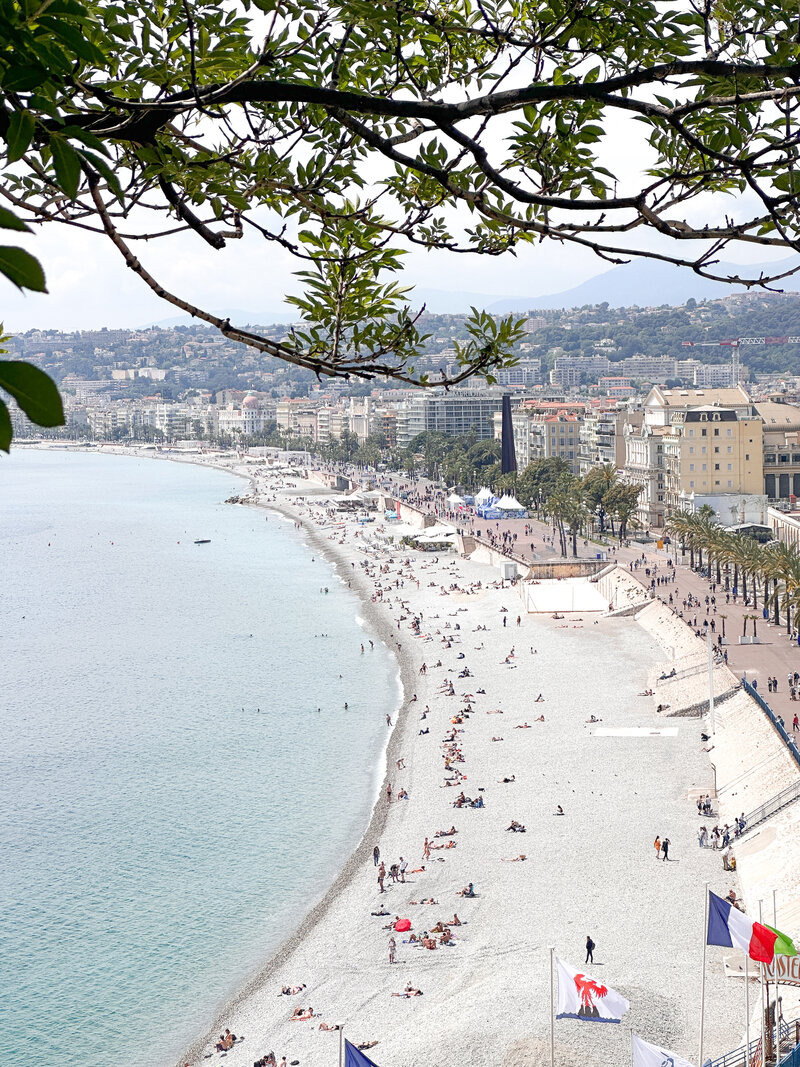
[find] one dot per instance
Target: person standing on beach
(381, 876)
(392, 948)
(665, 848)
(657, 846)
(589, 949)
(376, 855)
(403, 868)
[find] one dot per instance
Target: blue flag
(353, 1057)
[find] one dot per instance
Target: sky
(89, 285)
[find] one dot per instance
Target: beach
(593, 871)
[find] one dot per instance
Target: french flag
(729, 927)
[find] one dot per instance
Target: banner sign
(784, 969)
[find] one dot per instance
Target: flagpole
(552, 1013)
(775, 962)
(747, 1008)
(703, 979)
(341, 1044)
(763, 1015)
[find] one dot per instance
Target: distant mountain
(649, 283)
(236, 315)
(445, 302)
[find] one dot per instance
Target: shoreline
(378, 814)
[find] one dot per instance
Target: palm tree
(680, 525)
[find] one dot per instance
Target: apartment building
(781, 425)
(455, 412)
(602, 438)
(694, 445)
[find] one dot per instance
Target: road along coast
(620, 781)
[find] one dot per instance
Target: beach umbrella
(402, 925)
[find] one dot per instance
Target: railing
(789, 1036)
(790, 743)
(773, 805)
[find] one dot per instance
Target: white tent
(397, 530)
(509, 503)
(441, 529)
(483, 495)
(454, 498)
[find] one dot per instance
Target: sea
(179, 778)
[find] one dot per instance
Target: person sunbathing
(301, 1014)
(506, 781)
(324, 1026)
(593, 718)
(429, 943)
(516, 827)
(516, 859)
(559, 810)
(467, 891)
(368, 1044)
(455, 921)
(539, 699)
(289, 990)
(446, 833)
(409, 992)
(540, 719)
(522, 726)
(497, 739)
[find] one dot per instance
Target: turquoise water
(171, 798)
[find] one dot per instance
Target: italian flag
(731, 928)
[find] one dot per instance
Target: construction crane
(736, 344)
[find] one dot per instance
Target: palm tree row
(769, 572)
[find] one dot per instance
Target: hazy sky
(90, 286)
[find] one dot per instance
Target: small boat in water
(203, 541)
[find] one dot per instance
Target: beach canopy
(402, 925)
(483, 495)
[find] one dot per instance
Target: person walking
(657, 846)
(392, 948)
(795, 723)
(403, 868)
(589, 949)
(665, 848)
(376, 855)
(381, 876)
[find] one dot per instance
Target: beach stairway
(772, 806)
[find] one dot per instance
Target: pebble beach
(620, 781)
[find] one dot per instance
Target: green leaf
(9, 221)
(21, 268)
(25, 77)
(5, 428)
(67, 163)
(34, 391)
(19, 135)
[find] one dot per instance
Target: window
(730, 483)
(747, 455)
(716, 448)
(691, 466)
(783, 458)
(716, 432)
(729, 450)
(730, 468)
(691, 433)
(769, 459)
(716, 483)
(691, 450)
(704, 466)
(660, 496)
(729, 433)
(703, 449)
(691, 485)
(716, 466)
(795, 457)
(704, 432)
